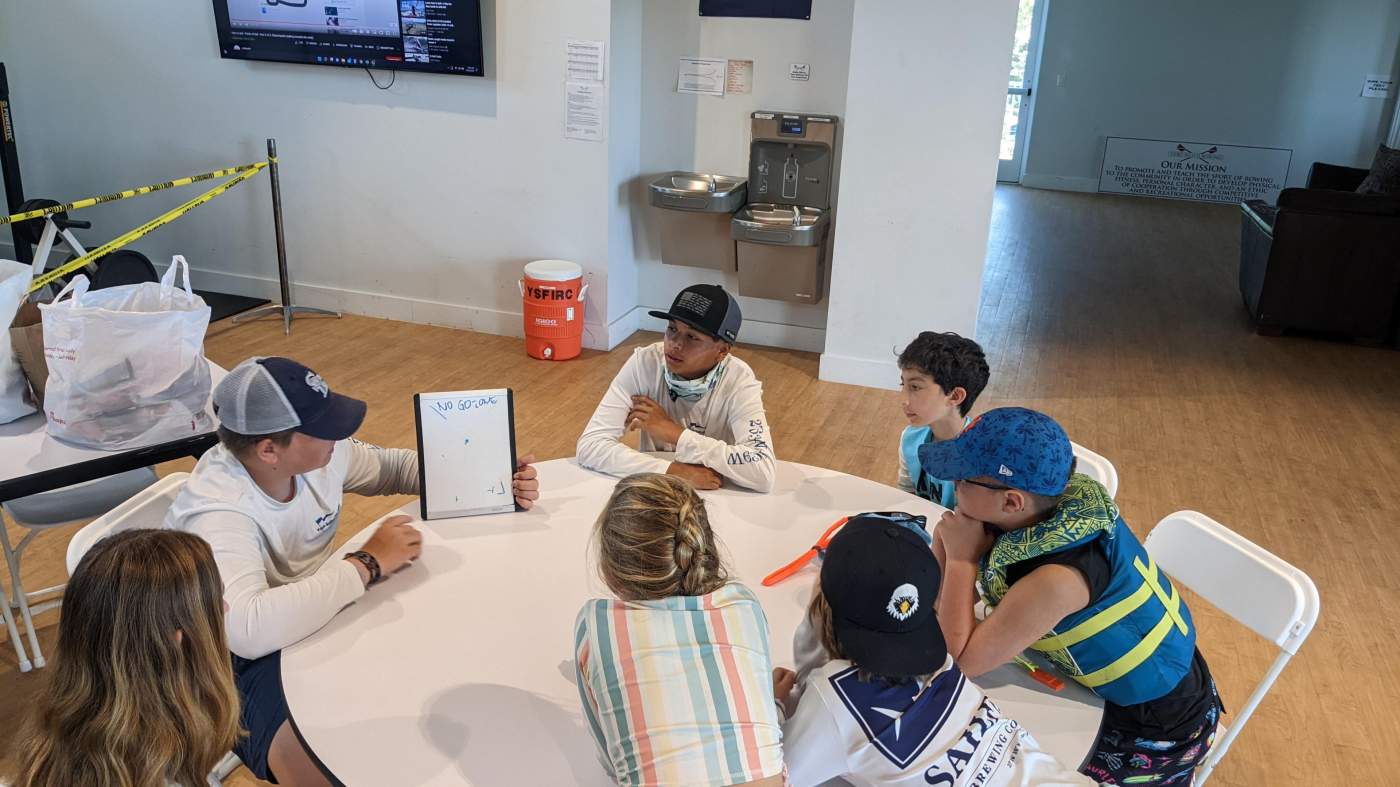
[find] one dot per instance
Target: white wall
(418, 203)
(422, 202)
(1274, 73)
(711, 134)
(923, 116)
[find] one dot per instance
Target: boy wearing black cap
(891, 706)
(689, 395)
(268, 501)
(1063, 575)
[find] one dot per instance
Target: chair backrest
(1249, 583)
(1097, 467)
(146, 509)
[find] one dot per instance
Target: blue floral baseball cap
(1021, 448)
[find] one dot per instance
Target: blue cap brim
(341, 419)
(947, 460)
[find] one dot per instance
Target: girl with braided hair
(674, 673)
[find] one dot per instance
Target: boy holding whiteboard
(689, 395)
(268, 500)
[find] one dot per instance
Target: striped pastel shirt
(680, 690)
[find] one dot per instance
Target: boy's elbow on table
(766, 476)
(244, 643)
(592, 451)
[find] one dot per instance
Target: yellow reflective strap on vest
(1172, 603)
(1129, 661)
(1119, 610)
(1094, 625)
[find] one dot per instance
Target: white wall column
(923, 121)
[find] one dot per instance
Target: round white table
(459, 669)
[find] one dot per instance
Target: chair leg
(224, 769)
(20, 600)
(24, 665)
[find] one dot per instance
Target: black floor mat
(223, 305)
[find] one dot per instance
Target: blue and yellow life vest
(1136, 641)
(925, 486)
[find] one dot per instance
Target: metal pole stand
(9, 169)
(286, 309)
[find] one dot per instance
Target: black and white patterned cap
(708, 308)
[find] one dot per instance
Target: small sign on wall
(1377, 86)
(1198, 171)
(799, 72)
(739, 77)
(703, 75)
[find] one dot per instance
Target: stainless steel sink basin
(784, 225)
(699, 191)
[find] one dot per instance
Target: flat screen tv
(439, 36)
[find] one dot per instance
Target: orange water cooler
(553, 293)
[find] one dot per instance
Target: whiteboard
(466, 452)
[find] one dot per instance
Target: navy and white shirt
(943, 732)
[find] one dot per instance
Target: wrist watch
(369, 562)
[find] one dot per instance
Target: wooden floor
(1118, 316)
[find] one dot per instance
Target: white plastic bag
(126, 363)
(14, 286)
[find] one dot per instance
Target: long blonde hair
(141, 689)
(654, 540)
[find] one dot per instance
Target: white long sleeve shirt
(726, 430)
(272, 556)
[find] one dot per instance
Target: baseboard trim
(859, 371)
(624, 326)
(1059, 182)
(367, 304)
(596, 336)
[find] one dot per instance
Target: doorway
(1020, 89)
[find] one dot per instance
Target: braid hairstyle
(654, 540)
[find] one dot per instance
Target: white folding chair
(24, 664)
(1096, 467)
(1245, 581)
(48, 510)
(224, 769)
(146, 509)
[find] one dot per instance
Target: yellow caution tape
(244, 173)
(136, 192)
